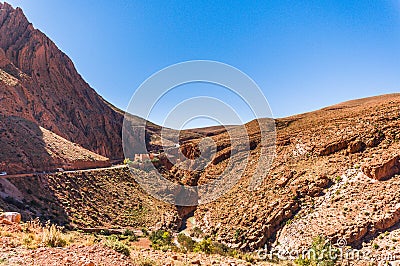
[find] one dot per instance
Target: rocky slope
(40, 83)
(336, 174)
(40, 88)
(85, 199)
(27, 147)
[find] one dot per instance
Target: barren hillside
(336, 174)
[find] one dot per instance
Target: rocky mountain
(40, 86)
(336, 174)
(47, 84)
(41, 89)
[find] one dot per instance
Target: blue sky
(304, 55)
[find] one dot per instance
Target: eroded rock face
(356, 146)
(27, 147)
(40, 86)
(39, 83)
(334, 147)
(384, 170)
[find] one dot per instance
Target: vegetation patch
(321, 253)
(161, 239)
(114, 243)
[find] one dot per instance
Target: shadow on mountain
(22, 146)
(32, 197)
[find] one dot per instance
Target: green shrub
(128, 232)
(130, 235)
(155, 160)
(221, 249)
(160, 239)
(145, 232)
(114, 243)
(105, 232)
(321, 253)
(204, 246)
(196, 232)
(132, 238)
(238, 233)
(249, 257)
(146, 262)
(186, 242)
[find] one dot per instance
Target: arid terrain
(335, 178)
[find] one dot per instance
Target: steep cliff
(40, 84)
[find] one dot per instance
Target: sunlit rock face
(40, 86)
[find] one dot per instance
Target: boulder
(13, 217)
(356, 146)
(285, 179)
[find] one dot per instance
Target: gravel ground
(72, 255)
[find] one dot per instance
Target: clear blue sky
(303, 54)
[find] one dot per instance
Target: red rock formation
(334, 147)
(39, 83)
(40, 87)
(384, 170)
